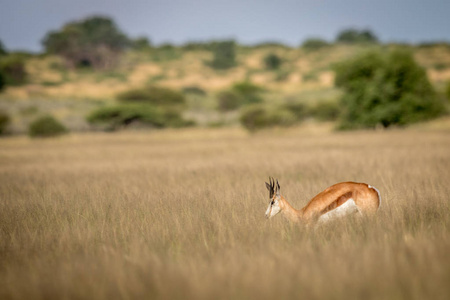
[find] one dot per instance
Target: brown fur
(338, 202)
(366, 199)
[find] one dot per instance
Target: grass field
(180, 215)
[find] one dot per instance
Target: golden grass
(180, 215)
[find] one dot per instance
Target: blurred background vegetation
(92, 76)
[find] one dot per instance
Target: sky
(24, 23)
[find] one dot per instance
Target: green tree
(141, 43)
(385, 89)
(12, 70)
(314, 44)
(4, 121)
(224, 55)
(272, 61)
(447, 91)
(2, 81)
(2, 76)
(95, 41)
(2, 49)
(352, 36)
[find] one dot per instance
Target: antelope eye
(273, 202)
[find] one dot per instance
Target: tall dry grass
(181, 216)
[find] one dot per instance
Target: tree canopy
(2, 49)
(224, 54)
(385, 89)
(12, 70)
(351, 36)
(314, 44)
(272, 61)
(95, 41)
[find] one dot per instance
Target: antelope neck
(289, 212)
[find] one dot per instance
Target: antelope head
(275, 197)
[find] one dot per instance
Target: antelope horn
(272, 186)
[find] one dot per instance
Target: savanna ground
(180, 215)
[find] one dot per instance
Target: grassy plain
(180, 215)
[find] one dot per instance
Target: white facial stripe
(273, 209)
(268, 210)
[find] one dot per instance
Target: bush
(314, 44)
(46, 126)
(251, 93)
(325, 111)
(352, 36)
(257, 117)
(241, 93)
(224, 55)
(12, 70)
(229, 100)
(270, 44)
(165, 52)
(447, 91)
(194, 90)
(2, 81)
(385, 89)
(299, 110)
(322, 111)
(425, 45)
(141, 44)
(153, 95)
(4, 122)
(115, 117)
(198, 46)
(282, 75)
(272, 61)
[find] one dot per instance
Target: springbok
(337, 201)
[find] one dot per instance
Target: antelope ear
(268, 186)
(278, 188)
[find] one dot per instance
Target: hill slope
(304, 76)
